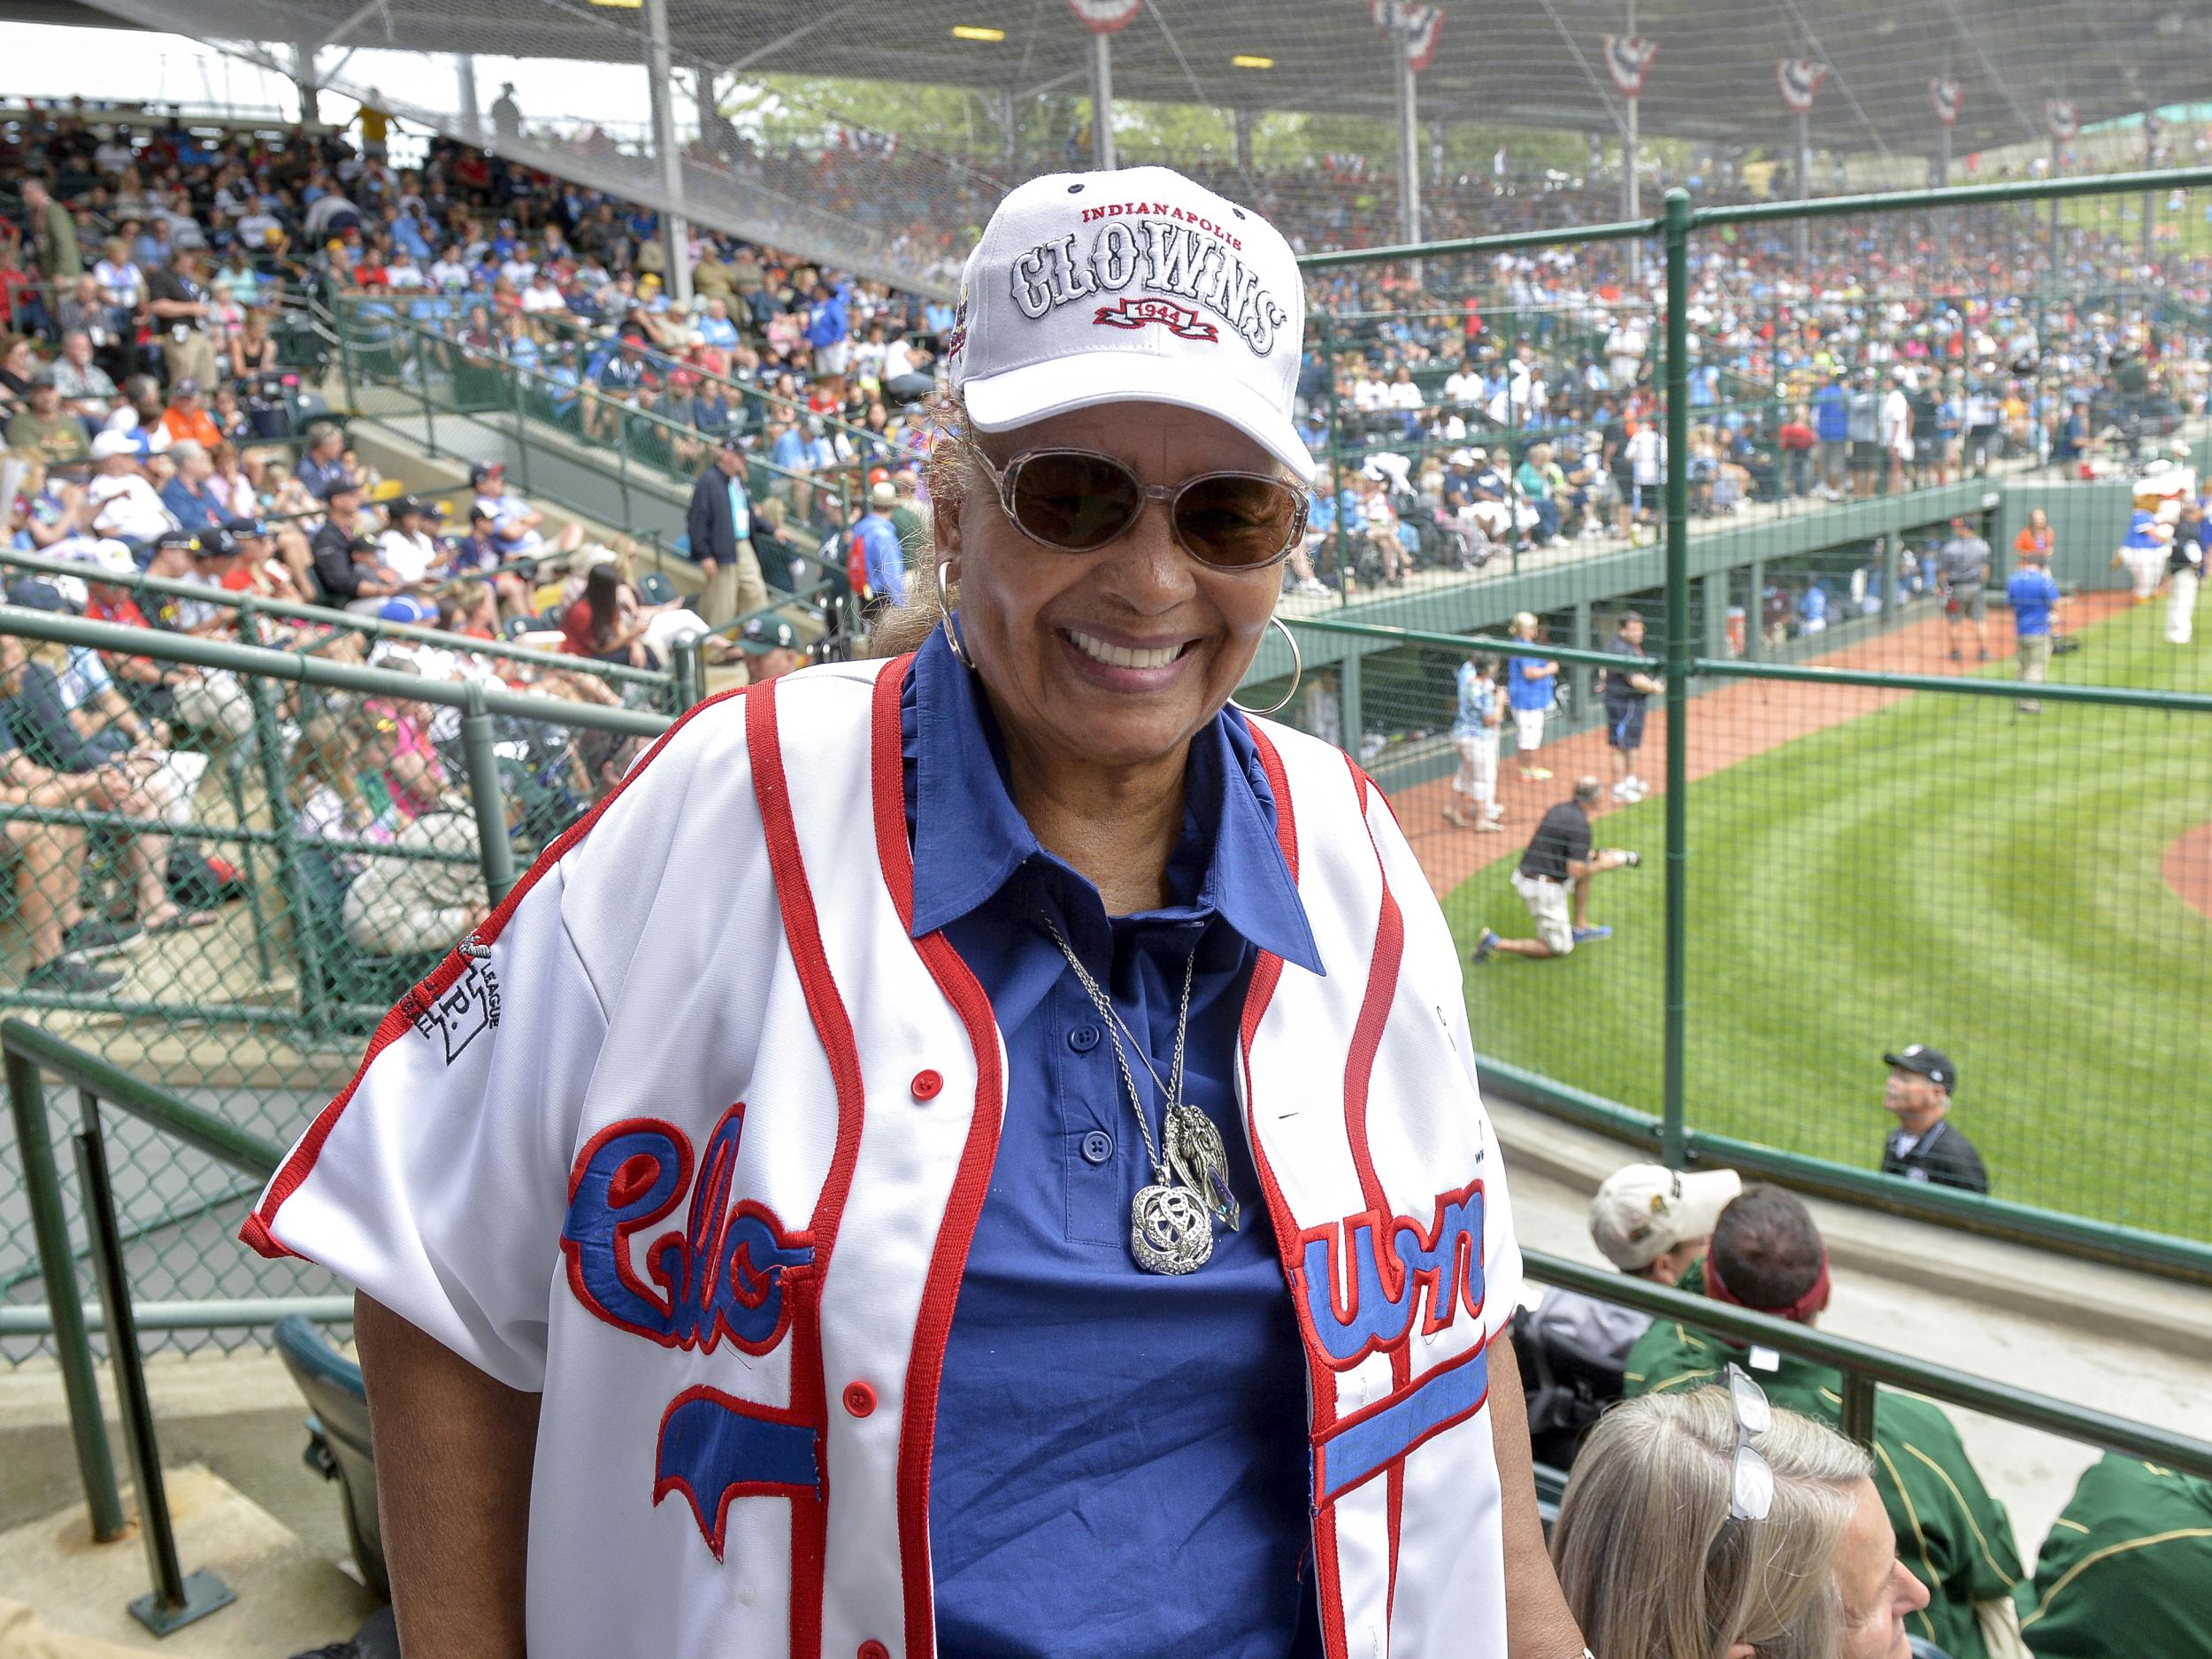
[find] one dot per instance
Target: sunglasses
(1076, 501)
(1751, 1479)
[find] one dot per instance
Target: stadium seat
(338, 1445)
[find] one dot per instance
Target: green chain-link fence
(227, 862)
(1811, 481)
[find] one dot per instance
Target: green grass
(1942, 871)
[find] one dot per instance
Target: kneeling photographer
(1559, 862)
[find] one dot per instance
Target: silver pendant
(1169, 1231)
(1195, 1153)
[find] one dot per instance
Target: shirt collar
(969, 838)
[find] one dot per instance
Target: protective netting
(875, 137)
(1964, 446)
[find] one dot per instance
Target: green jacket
(2126, 1569)
(1951, 1535)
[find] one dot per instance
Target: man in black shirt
(1924, 1145)
(1623, 691)
(1558, 863)
(180, 306)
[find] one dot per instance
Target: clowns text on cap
(1158, 249)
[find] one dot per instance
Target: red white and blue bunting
(1948, 95)
(1419, 27)
(1628, 59)
(2062, 118)
(1799, 79)
(1105, 17)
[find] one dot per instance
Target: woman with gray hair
(1711, 1526)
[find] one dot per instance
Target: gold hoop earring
(952, 627)
(1297, 672)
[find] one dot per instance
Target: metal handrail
(374, 626)
(27, 1050)
(315, 670)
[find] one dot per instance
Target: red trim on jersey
(1374, 1013)
(400, 1018)
(925, 1363)
(1267, 973)
(803, 933)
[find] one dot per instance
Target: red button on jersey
(874, 1650)
(926, 1085)
(860, 1399)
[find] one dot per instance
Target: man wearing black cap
(772, 648)
(1925, 1146)
(347, 583)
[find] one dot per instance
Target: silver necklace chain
(1172, 1093)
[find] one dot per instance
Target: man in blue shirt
(1529, 686)
(878, 541)
(829, 331)
(1831, 427)
(2035, 598)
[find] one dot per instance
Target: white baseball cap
(1134, 286)
(111, 444)
(1645, 1211)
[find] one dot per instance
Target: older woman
(977, 1151)
(1712, 1525)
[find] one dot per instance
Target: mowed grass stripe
(1943, 870)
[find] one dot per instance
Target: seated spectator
(61, 712)
(190, 496)
(140, 418)
(409, 546)
(1768, 1256)
(49, 860)
(125, 505)
(186, 696)
(1713, 1526)
(516, 527)
(321, 465)
(48, 430)
(604, 624)
(86, 390)
(186, 419)
(2127, 1568)
(1651, 1223)
(349, 574)
(19, 365)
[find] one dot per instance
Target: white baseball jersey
(695, 1147)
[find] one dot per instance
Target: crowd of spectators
(1515, 403)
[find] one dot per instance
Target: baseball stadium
(603, 762)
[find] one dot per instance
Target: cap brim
(1059, 386)
(1704, 1196)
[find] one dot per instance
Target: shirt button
(926, 1085)
(874, 1650)
(1098, 1145)
(1083, 1038)
(860, 1400)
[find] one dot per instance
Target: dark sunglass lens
(1234, 521)
(1075, 502)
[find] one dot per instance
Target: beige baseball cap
(1646, 1210)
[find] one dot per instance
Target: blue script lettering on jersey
(722, 1276)
(1396, 1268)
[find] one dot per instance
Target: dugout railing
(1708, 592)
(32, 1055)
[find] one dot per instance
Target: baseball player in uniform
(1475, 735)
(918, 1169)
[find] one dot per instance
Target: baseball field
(2021, 891)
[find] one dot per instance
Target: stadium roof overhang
(1535, 64)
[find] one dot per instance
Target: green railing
(31, 1054)
(1724, 991)
(648, 460)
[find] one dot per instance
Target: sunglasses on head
(1077, 501)
(1751, 1479)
